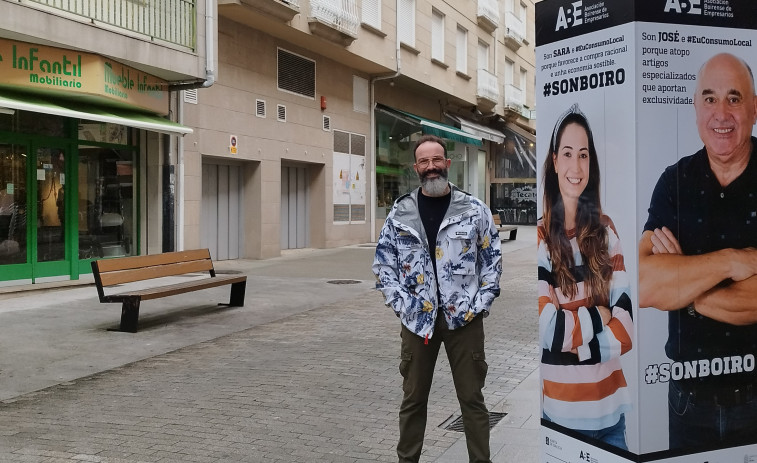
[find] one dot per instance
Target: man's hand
(664, 242)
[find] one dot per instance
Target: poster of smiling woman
(647, 257)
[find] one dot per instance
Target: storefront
(396, 133)
(73, 130)
(513, 185)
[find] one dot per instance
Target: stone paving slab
(306, 371)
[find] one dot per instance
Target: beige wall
(247, 73)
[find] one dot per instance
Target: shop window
(513, 189)
(32, 123)
(107, 221)
(349, 177)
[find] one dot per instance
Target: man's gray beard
(435, 186)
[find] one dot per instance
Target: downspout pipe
(210, 54)
(397, 73)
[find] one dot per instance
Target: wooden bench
(110, 272)
(513, 229)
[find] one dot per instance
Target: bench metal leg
(237, 294)
(513, 233)
(129, 315)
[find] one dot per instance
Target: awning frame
(477, 129)
(432, 127)
(86, 111)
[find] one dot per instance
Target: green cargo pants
(465, 351)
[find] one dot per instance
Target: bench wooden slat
(178, 288)
(156, 271)
(127, 263)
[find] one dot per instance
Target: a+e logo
(683, 6)
(570, 17)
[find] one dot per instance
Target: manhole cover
(344, 282)
(456, 424)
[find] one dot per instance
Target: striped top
(583, 386)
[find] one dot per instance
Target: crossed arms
(722, 284)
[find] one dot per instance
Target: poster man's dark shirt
(707, 217)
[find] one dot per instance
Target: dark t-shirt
(432, 210)
(706, 217)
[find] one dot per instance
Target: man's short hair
(431, 138)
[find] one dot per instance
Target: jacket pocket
(462, 240)
(409, 254)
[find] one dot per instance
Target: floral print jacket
(468, 261)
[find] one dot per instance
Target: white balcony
(335, 20)
(515, 31)
(488, 15)
(486, 90)
(513, 99)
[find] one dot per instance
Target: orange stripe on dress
(584, 392)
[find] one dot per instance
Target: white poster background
(667, 132)
(610, 112)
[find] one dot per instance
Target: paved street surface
(305, 372)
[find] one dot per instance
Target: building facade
(87, 120)
(305, 139)
(248, 126)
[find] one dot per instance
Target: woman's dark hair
(591, 234)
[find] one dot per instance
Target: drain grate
(456, 424)
(228, 272)
(344, 282)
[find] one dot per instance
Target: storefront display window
(12, 204)
(513, 189)
(106, 202)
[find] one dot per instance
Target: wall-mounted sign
(233, 144)
(67, 72)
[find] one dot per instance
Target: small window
(296, 74)
(372, 13)
(260, 108)
(190, 96)
(357, 144)
(281, 113)
(326, 123)
(341, 141)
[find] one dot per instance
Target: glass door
(13, 209)
(52, 255)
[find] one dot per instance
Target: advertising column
(648, 230)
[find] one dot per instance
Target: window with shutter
(407, 22)
(437, 36)
(371, 14)
(461, 43)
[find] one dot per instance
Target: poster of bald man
(668, 90)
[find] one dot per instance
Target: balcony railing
(488, 14)
(515, 31)
(487, 86)
(513, 98)
(172, 21)
(341, 15)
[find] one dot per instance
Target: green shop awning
(87, 111)
(432, 127)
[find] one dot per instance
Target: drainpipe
(180, 180)
(210, 62)
(173, 180)
(398, 57)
